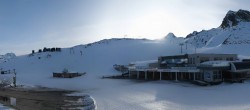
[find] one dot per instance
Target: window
(190, 61)
(217, 75)
(204, 59)
(217, 58)
(229, 58)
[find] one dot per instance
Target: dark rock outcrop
(192, 34)
(233, 18)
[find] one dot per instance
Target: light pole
(14, 78)
(186, 47)
(186, 44)
(181, 44)
(195, 46)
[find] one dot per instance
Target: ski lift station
(210, 68)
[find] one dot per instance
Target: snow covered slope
(7, 57)
(97, 59)
(172, 39)
(232, 33)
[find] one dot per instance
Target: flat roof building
(193, 59)
(211, 68)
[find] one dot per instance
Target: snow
(142, 64)
(7, 57)
(97, 61)
(87, 101)
(111, 94)
(165, 95)
(216, 63)
(171, 38)
(217, 36)
(2, 107)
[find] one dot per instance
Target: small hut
(66, 74)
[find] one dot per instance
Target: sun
(153, 25)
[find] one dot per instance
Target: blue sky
(27, 25)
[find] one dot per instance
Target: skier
(81, 53)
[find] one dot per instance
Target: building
(193, 60)
(210, 68)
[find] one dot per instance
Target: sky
(27, 25)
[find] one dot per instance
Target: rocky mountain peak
(232, 18)
(170, 35)
(7, 57)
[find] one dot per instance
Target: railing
(142, 68)
(172, 69)
(184, 68)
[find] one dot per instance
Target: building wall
(196, 59)
(153, 65)
(208, 75)
(172, 59)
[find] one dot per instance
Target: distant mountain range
(7, 57)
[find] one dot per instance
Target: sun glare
(153, 25)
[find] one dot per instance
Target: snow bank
(7, 57)
(216, 63)
(2, 107)
(87, 102)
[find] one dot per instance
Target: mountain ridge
(234, 30)
(233, 18)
